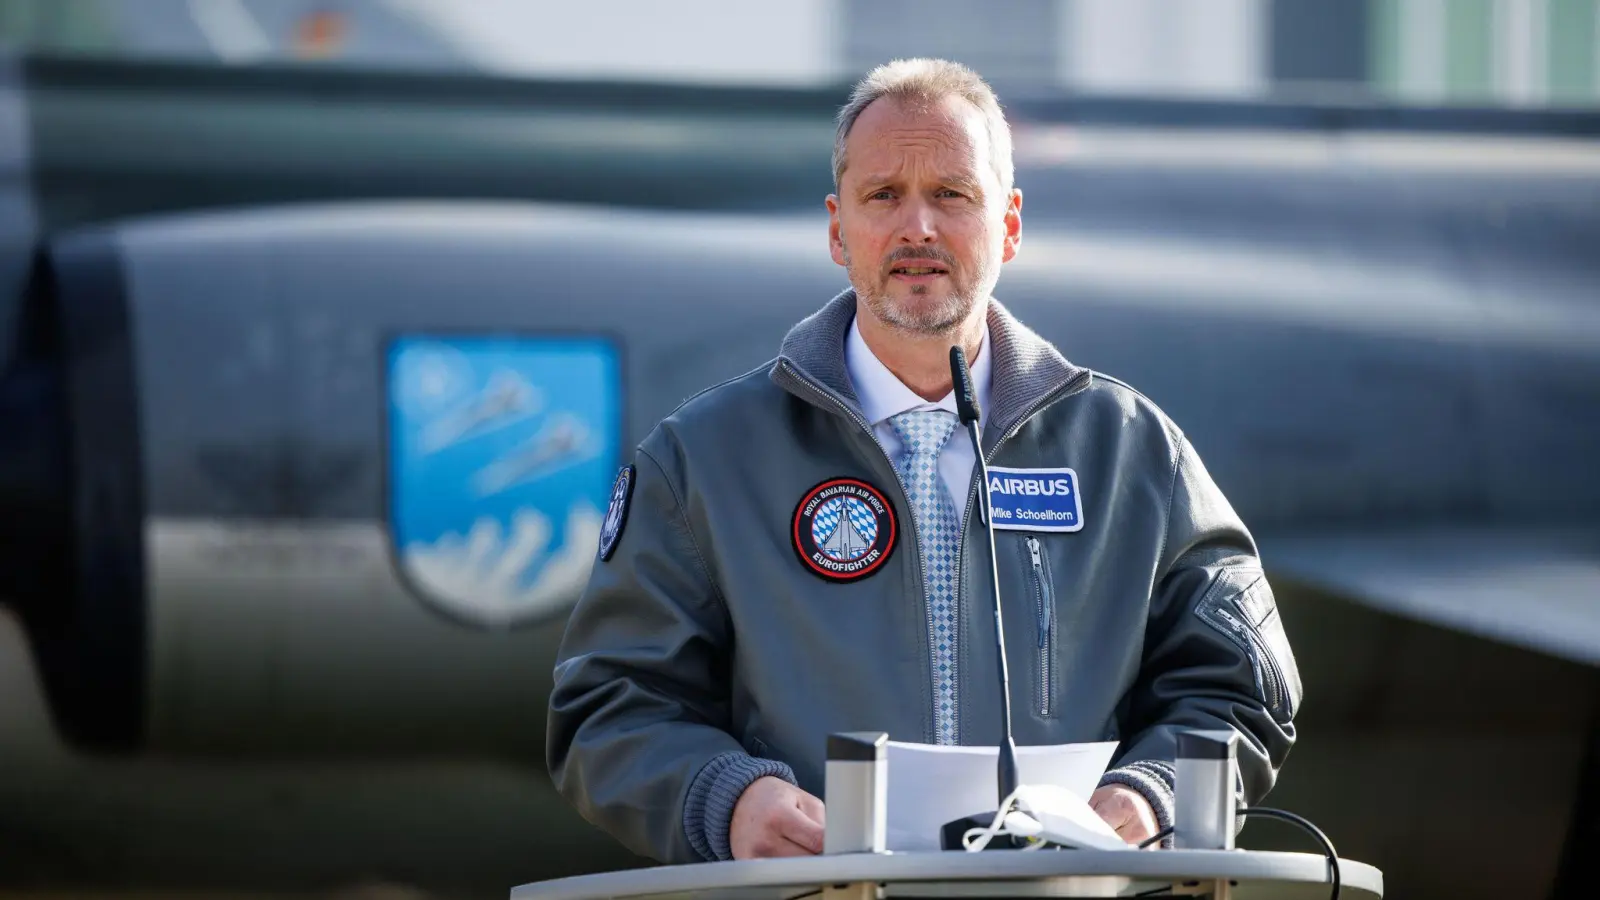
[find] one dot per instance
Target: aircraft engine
(327, 480)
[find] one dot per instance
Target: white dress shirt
(882, 395)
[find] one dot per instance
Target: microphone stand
(1006, 773)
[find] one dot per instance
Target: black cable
(1327, 845)
(1165, 832)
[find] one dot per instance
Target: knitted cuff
(708, 810)
(1154, 780)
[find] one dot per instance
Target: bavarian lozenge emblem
(843, 529)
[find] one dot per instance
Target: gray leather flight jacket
(706, 653)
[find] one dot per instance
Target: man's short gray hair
(928, 80)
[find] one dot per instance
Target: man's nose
(919, 225)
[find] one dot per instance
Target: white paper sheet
(930, 785)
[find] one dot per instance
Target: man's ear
(1013, 222)
(835, 241)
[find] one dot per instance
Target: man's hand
(1126, 811)
(775, 818)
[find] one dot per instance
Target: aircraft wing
(1538, 589)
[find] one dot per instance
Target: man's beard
(923, 315)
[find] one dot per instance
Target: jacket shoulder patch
(616, 512)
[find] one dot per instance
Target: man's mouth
(921, 270)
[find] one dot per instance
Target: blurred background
(325, 325)
(1501, 52)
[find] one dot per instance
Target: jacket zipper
(1046, 615)
(972, 492)
(1269, 666)
(972, 496)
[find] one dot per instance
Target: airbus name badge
(1035, 499)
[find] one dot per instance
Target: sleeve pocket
(1240, 606)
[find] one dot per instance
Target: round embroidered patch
(843, 529)
(616, 512)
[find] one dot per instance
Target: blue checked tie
(924, 434)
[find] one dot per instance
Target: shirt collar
(882, 394)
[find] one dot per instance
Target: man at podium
(795, 552)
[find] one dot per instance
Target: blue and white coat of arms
(501, 456)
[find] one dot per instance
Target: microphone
(967, 411)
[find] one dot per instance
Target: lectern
(856, 866)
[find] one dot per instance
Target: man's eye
(880, 195)
(950, 192)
